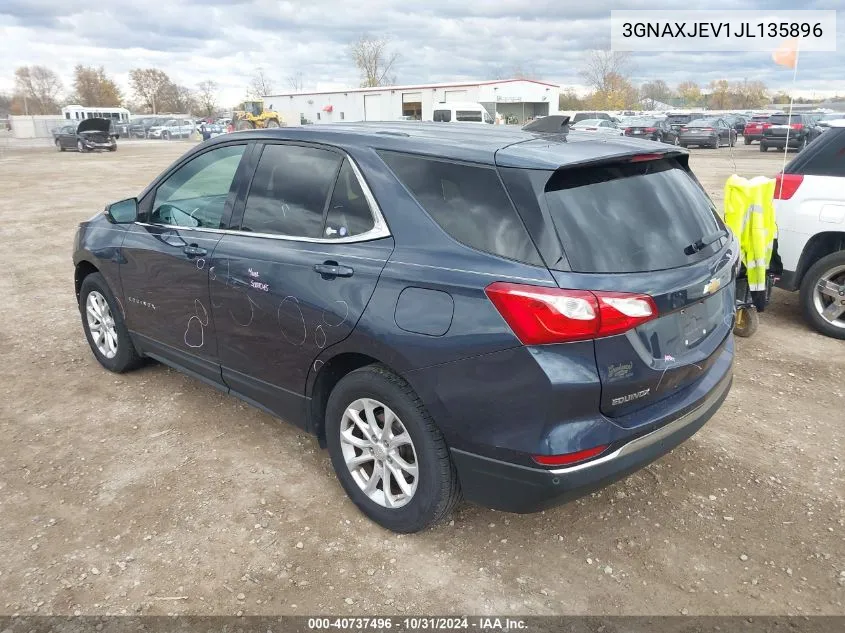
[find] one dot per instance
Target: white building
(522, 99)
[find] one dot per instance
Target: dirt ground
(150, 493)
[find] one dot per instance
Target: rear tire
(746, 140)
(435, 486)
(272, 123)
(763, 147)
(808, 296)
(677, 140)
(165, 136)
(80, 147)
(747, 322)
(110, 317)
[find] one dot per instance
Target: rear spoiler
(552, 124)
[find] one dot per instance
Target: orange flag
(787, 54)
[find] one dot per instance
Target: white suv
(810, 206)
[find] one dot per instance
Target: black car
(800, 129)
(454, 311)
(677, 121)
(736, 121)
(713, 132)
(89, 135)
(653, 129)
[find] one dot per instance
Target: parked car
(87, 136)
(827, 120)
(800, 129)
(810, 206)
(677, 121)
(736, 121)
(582, 116)
(453, 311)
(653, 129)
(140, 127)
(461, 112)
(753, 130)
(712, 132)
(172, 128)
(597, 126)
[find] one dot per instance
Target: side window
(468, 115)
(195, 194)
(442, 116)
(468, 202)
(349, 213)
(290, 190)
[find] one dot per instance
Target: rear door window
(630, 217)
(468, 202)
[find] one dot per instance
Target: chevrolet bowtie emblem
(712, 286)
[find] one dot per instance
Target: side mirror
(123, 212)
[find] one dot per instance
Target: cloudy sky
(439, 40)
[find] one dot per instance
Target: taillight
(766, 126)
(568, 459)
(651, 129)
(797, 126)
(627, 130)
(540, 316)
(786, 185)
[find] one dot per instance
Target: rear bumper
(694, 140)
(780, 141)
(516, 488)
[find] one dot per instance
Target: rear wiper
(703, 242)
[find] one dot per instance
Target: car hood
(94, 125)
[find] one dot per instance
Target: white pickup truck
(810, 207)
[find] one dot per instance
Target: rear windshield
(630, 217)
(783, 119)
(679, 118)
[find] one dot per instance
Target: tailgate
(645, 227)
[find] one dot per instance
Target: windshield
(630, 217)
(588, 123)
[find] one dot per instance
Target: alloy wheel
(829, 296)
(101, 324)
(379, 453)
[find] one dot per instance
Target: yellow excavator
(251, 114)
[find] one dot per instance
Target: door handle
(333, 269)
(193, 250)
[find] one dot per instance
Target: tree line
(608, 74)
(39, 90)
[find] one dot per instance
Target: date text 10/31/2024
(418, 623)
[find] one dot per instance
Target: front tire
(244, 125)
(763, 147)
(378, 430)
(59, 145)
(823, 295)
(80, 147)
(165, 136)
(105, 329)
(272, 123)
(746, 140)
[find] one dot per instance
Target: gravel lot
(151, 493)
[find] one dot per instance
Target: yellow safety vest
(750, 214)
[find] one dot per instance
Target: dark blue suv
(455, 311)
